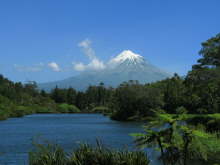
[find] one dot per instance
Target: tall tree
(210, 53)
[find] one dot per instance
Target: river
(67, 130)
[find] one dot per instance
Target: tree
(151, 138)
(126, 101)
(59, 95)
(71, 96)
(173, 93)
(203, 82)
(179, 144)
(43, 93)
(210, 53)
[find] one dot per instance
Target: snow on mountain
(127, 55)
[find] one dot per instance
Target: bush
(181, 110)
(43, 109)
(5, 105)
(4, 113)
(100, 109)
(67, 108)
(201, 111)
(19, 111)
(73, 109)
(210, 121)
(85, 155)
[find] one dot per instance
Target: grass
(51, 154)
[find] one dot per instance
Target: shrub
(100, 109)
(202, 111)
(181, 110)
(210, 121)
(5, 105)
(73, 109)
(4, 113)
(67, 108)
(18, 111)
(43, 109)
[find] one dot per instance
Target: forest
(188, 106)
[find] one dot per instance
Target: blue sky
(40, 39)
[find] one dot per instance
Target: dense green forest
(188, 107)
(17, 100)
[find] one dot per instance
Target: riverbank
(20, 111)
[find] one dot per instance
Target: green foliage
(178, 143)
(173, 93)
(17, 100)
(44, 108)
(19, 111)
(47, 155)
(85, 155)
(210, 53)
(203, 82)
(59, 95)
(131, 99)
(181, 110)
(94, 96)
(66, 108)
(101, 109)
(211, 122)
(4, 112)
(5, 105)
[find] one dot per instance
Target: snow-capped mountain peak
(124, 67)
(127, 55)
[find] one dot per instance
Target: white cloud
(87, 48)
(79, 66)
(54, 66)
(35, 68)
(94, 64)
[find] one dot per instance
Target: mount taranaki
(124, 67)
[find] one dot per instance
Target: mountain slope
(124, 67)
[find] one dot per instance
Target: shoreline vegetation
(183, 113)
(52, 154)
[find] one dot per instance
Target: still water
(67, 130)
